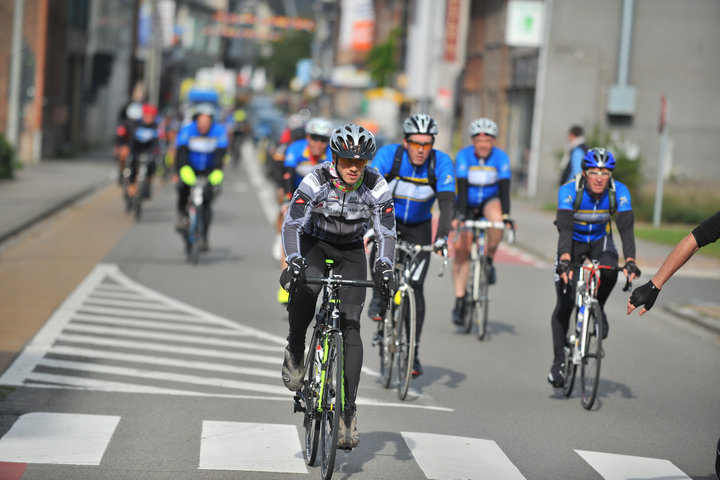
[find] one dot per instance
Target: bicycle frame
(196, 217)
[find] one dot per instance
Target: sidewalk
(41, 189)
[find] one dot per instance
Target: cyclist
(300, 158)
(201, 146)
(585, 207)
(145, 139)
(417, 175)
(330, 212)
(483, 183)
(129, 114)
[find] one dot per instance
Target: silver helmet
(420, 124)
(353, 141)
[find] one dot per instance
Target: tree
(381, 60)
(291, 47)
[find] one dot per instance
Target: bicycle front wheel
(483, 299)
(311, 420)
(405, 325)
(471, 305)
(387, 349)
(569, 367)
(332, 404)
(590, 367)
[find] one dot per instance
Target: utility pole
(664, 116)
(15, 70)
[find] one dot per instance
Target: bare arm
(677, 258)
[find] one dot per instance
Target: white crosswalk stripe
(625, 467)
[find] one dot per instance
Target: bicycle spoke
(406, 324)
(590, 367)
(332, 405)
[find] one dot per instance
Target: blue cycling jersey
(592, 219)
(482, 175)
(201, 148)
(412, 194)
(297, 157)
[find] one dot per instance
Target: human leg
(460, 271)
(493, 213)
(559, 322)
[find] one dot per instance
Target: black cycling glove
(563, 266)
(440, 244)
(384, 278)
(631, 267)
(293, 274)
(645, 295)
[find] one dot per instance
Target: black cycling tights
(566, 301)
(350, 262)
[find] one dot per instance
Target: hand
(564, 270)
(440, 245)
(293, 274)
(384, 278)
(643, 295)
(631, 270)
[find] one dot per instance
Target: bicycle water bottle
(581, 312)
(318, 362)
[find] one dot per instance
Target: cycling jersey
(482, 175)
(319, 209)
(202, 148)
(297, 158)
(145, 138)
(592, 218)
(411, 192)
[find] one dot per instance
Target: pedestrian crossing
(77, 439)
(113, 334)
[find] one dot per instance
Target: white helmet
(319, 126)
(483, 125)
(420, 124)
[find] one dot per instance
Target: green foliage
(627, 162)
(381, 60)
(672, 236)
(687, 204)
(280, 65)
(7, 158)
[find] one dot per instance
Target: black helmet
(353, 141)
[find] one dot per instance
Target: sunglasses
(596, 173)
(320, 138)
(414, 144)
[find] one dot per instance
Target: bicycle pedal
(298, 406)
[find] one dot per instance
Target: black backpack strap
(432, 177)
(397, 161)
(612, 198)
(580, 186)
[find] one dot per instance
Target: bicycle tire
(471, 306)
(196, 230)
(405, 323)
(483, 299)
(590, 366)
(387, 347)
(137, 205)
(311, 423)
(332, 404)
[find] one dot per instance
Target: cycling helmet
(485, 126)
(420, 124)
(134, 111)
(353, 141)
(203, 109)
(149, 109)
(319, 126)
(598, 158)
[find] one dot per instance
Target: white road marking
(255, 447)
(58, 438)
(155, 325)
(451, 457)
(626, 467)
(262, 187)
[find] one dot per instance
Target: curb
(52, 209)
(686, 312)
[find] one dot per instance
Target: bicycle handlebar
(590, 266)
(413, 248)
(486, 224)
(339, 282)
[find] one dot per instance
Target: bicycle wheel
(332, 404)
(405, 324)
(311, 422)
(196, 228)
(387, 349)
(137, 204)
(471, 306)
(483, 299)
(590, 366)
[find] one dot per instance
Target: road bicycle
(583, 346)
(133, 203)
(396, 333)
(322, 396)
(478, 285)
(198, 216)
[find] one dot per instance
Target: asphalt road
(156, 369)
